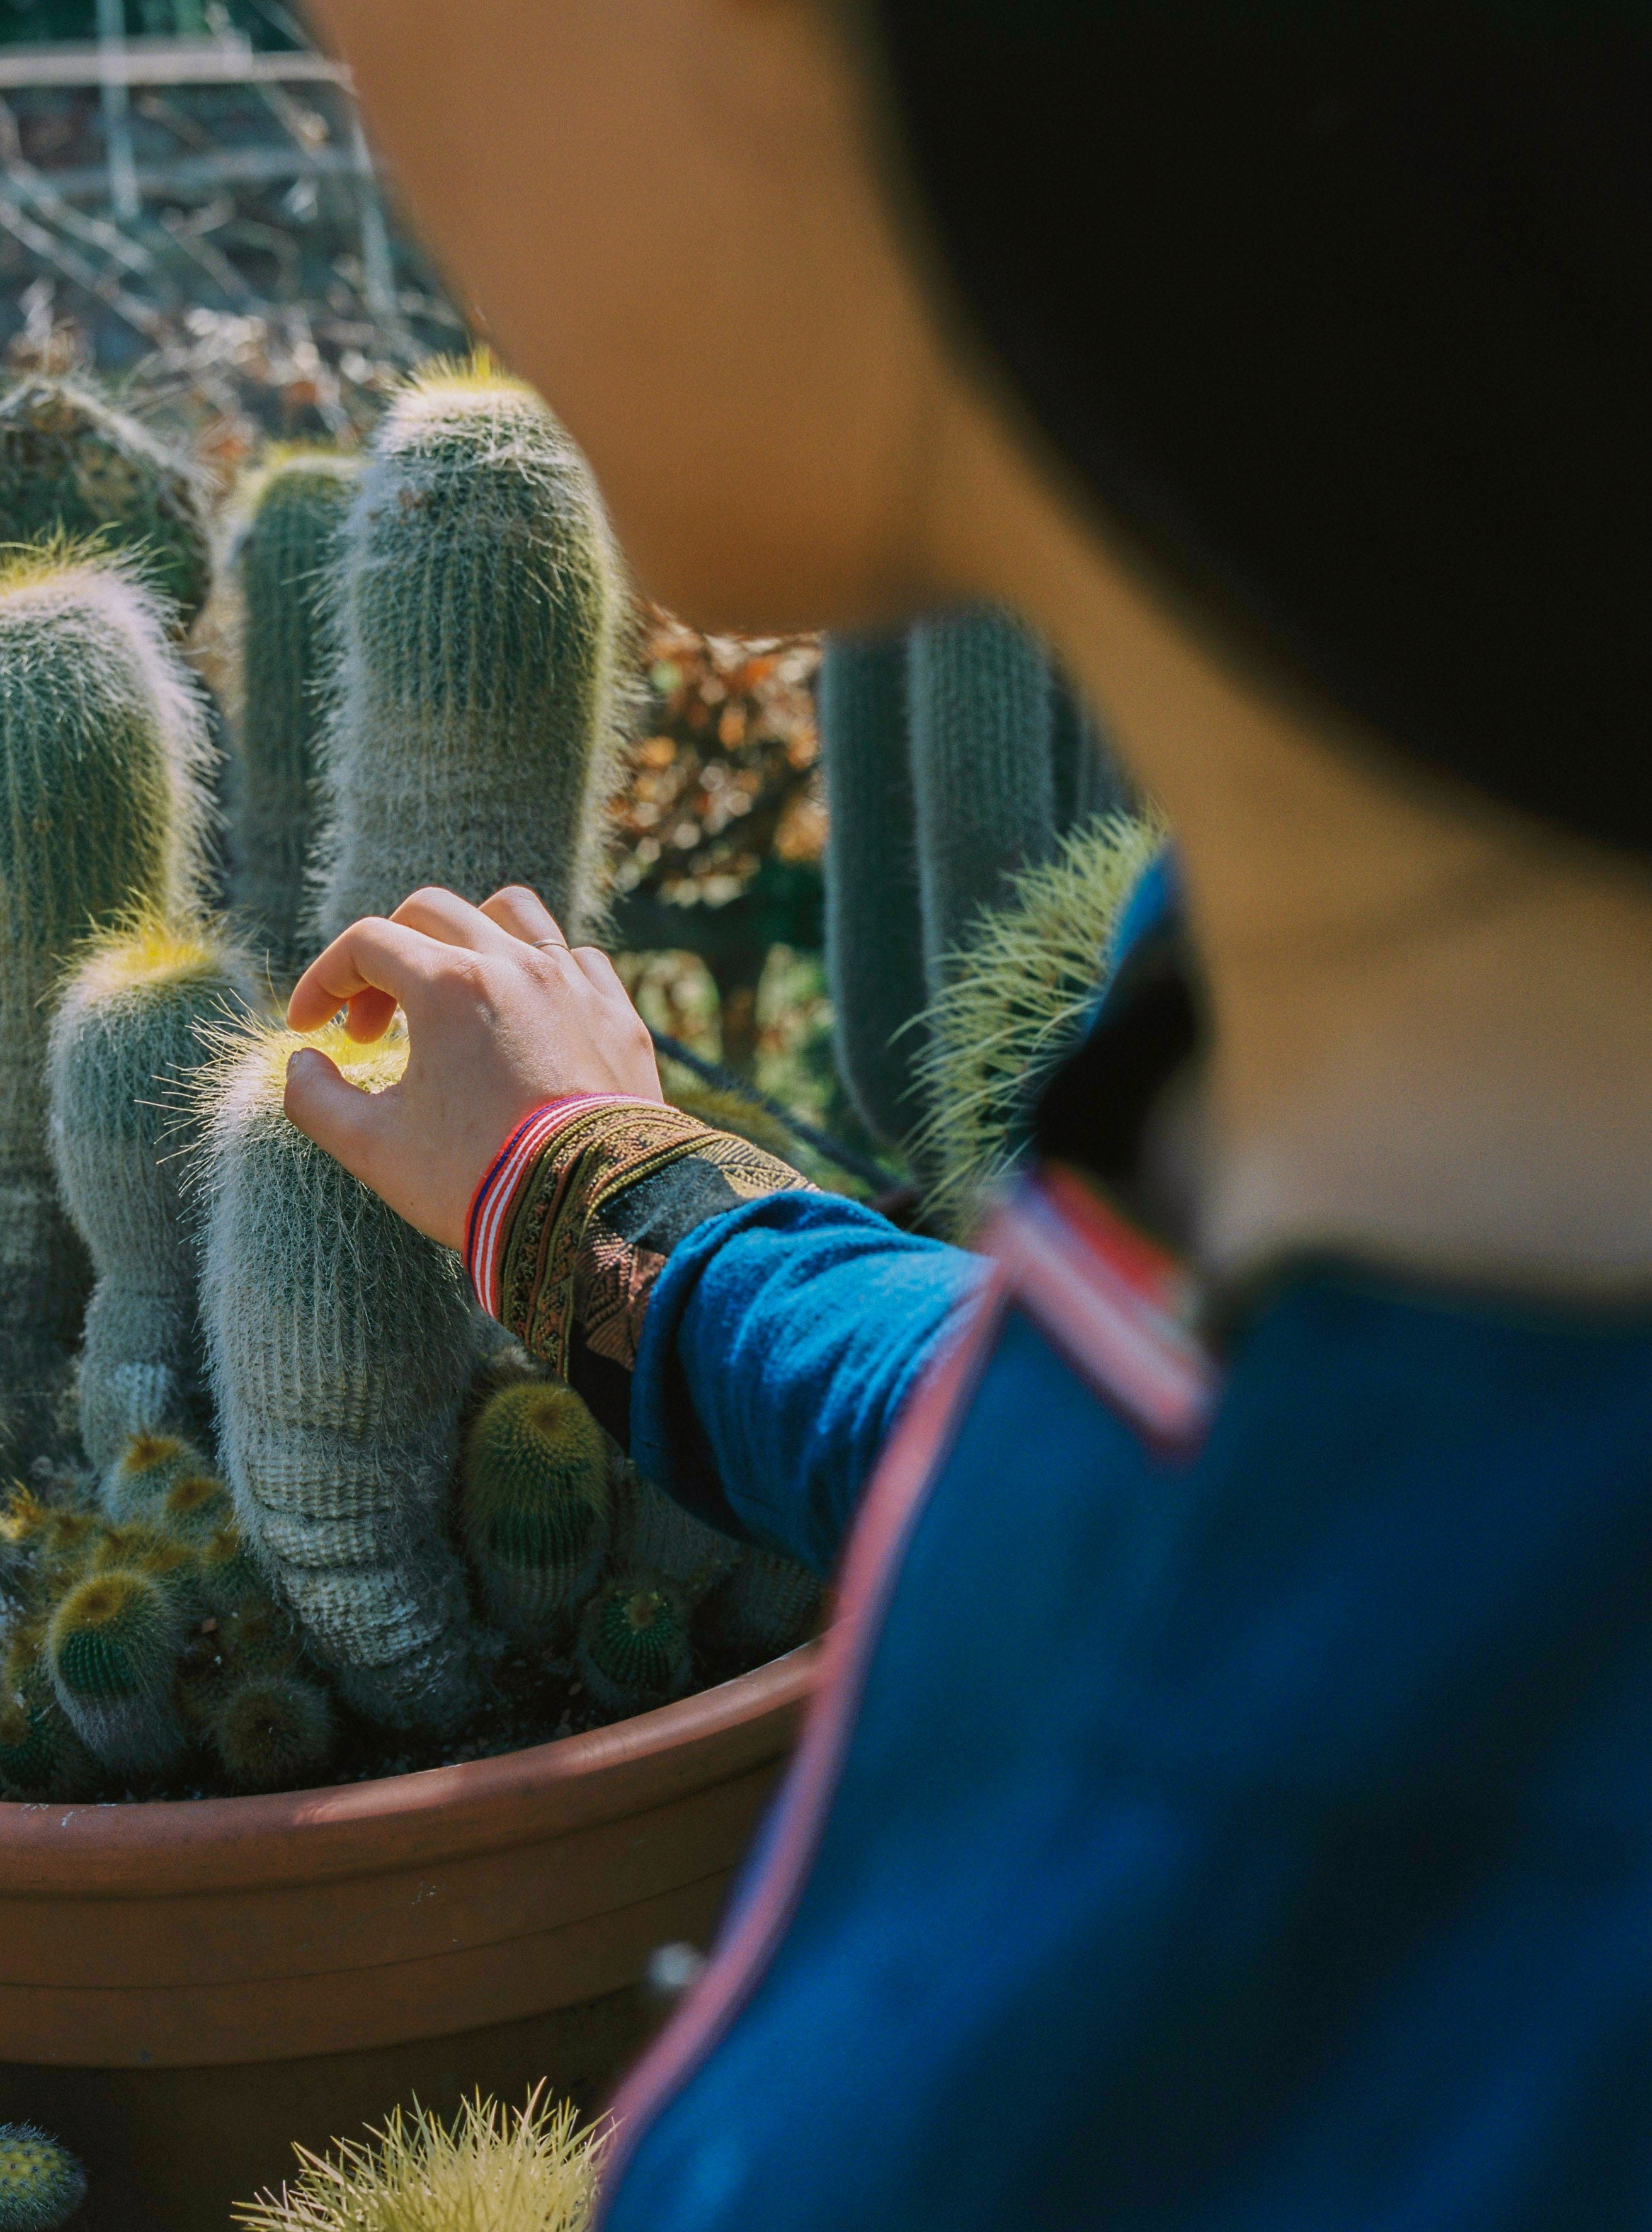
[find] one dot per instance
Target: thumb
(339, 1117)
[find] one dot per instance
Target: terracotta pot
(187, 1988)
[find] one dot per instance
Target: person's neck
(1432, 1032)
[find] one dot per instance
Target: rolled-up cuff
(489, 1218)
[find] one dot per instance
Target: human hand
(501, 1017)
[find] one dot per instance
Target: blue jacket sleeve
(782, 1340)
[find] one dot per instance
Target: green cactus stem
(766, 1606)
(113, 1648)
(874, 917)
(282, 563)
(145, 1470)
(41, 2184)
(70, 465)
(229, 1576)
(136, 1018)
(196, 1510)
(258, 1637)
(41, 1754)
(273, 1730)
(633, 1649)
(982, 783)
(535, 1507)
(340, 1346)
(101, 749)
(652, 1535)
(472, 734)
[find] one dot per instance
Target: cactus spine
(471, 735)
(71, 465)
(101, 747)
(135, 1020)
(633, 1646)
(340, 1345)
(113, 1648)
(41, 2184)
(282, 565)
(534, 1512)
(874, 930)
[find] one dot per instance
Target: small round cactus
(144, 1472)
(111, 1648)
(195, 1509)
(70, 465)
(41, 1755)
(534, 1512)
(766, 1606)
(230, 1576)
(137, 1016)
(652, 1535)
(41, 2184)
(272, 1730)
(633, 1646)
(258, 1637)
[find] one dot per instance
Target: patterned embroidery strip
(485, 1225)
(560, 1261)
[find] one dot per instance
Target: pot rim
(125, 1850)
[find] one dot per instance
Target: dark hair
(1342, 311)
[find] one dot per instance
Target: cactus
(273, 1729)
(534, 1509)
(470, 741)
(874, 931)
(257, 1637)
(339, 1345)
(1023, 1001)
(282, 563)
(196, 1510)
(101, 747)
(633, 1646)
(228, 1574)
(653, 1535)
(40, 1754)
(41, 2185)
(144, 1470)
(136, 1018)
(71, 464)
(768, 1604)
(113, 1648)
(984, 787)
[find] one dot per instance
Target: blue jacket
(1227, 1804)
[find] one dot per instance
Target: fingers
(595, 965)
(524, 914)
(446, 916)
(373, 956)
(342, 1119)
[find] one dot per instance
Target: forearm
(750, 1338)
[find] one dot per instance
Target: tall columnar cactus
(340, 1345)
(633, 1647)
(101, 748)
(534, 1510)
(983, 785)
(471, 738)
(283, 561)
(71, 464)
(136, 1020)
(113, 1649)
(41, 2184)
(874, 927)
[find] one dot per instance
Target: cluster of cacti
(568, 1543)
(41, 2184)
(101, 750)
(72, 465)
(955, 759)
(341, 1342)
(283, 567)
(136, 1020)
(142, 1633)
(482, 614)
